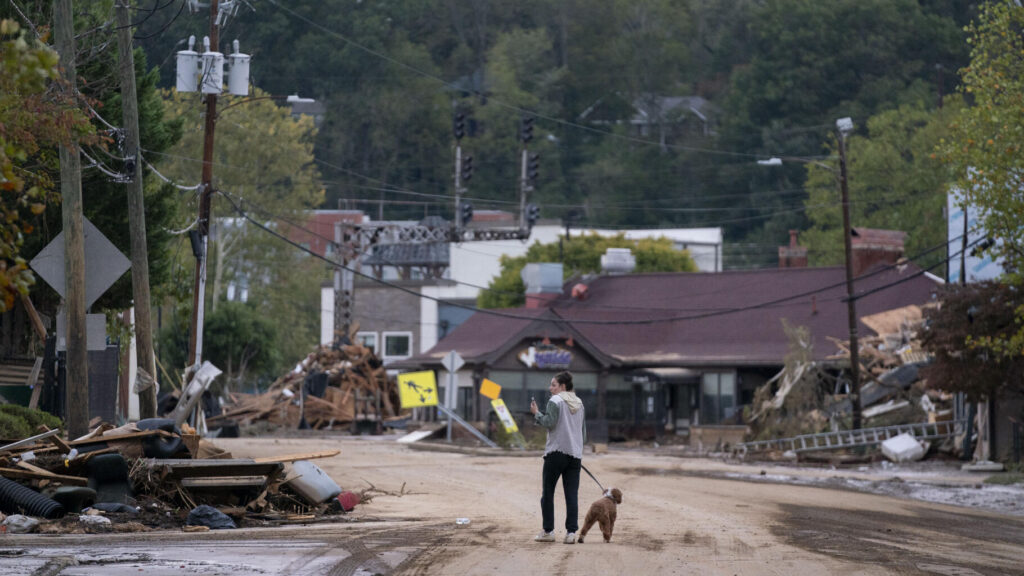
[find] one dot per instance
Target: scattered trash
(74, 498)
(20, 524)
(983, 466)
(462, 522)
(94, 520)
(312, 483)
(17, 498)
(108, 476)
(115, 508)
(348, 500)
(210, 517)
(903, 448)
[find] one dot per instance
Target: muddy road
(678, 516)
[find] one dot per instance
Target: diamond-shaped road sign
(452, 361)
(104, 263)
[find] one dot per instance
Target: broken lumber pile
(147, 475)
(352, 385)
(809, 397)
(892, 390)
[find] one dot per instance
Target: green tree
(581, 256)
(261, 155)
(263, 161)
(812, 62)
(984, 150)
(960, 334)
(896, 182)
(33, 122)
(104, 198)
(240, 339)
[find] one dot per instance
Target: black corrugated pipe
(17, 499)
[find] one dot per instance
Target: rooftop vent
(618, 261)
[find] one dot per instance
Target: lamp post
(844, 126)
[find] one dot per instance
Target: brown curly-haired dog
(603, 512)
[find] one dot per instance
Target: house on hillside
(667, 353)
(669, 119)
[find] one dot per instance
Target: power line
(562, 320)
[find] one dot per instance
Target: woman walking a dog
(563, 455)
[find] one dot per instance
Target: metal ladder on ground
(853, 438)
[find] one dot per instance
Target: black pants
(557, 464)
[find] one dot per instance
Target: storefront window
(718, 398)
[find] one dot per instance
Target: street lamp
(844, 126)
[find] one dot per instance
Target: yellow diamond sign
(490, 389)
(417, 389)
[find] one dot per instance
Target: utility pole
(195, 346)
(136, 211)
(77, 381)
(845, 126)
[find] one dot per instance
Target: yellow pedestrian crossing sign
(417, 389)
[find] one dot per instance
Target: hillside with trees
(614, 86)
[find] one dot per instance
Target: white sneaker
(570, 538)
(544, 537)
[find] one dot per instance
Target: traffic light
(526, 129)
(467, 168)
(459, 125)
(467, 212)
(533, 167)
(532, 214)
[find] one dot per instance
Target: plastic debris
(211, 517)
(20, 524)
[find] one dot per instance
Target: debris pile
(153, 474)
(331, 387)
(808, 398)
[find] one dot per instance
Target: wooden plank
(115, 438)
(228, 482)
(57, 441)
(33, 402)
(29, 441)
(297, 457)
(33, 468)
(37, 322)
(28, 475)
(176, 468)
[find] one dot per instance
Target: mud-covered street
(678, 516)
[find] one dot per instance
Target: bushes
(17, 422)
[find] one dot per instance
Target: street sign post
(451, 362)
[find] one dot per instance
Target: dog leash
(591, 476)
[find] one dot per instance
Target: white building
(473, 265)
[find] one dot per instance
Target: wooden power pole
(195, 348)
(136, 211)
(77, 380)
